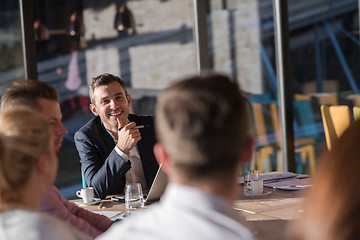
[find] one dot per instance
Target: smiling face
(111, 103)
(50, 110)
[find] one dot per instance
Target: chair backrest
(261, 98)
(356, 112)
(301, 97)
(276, 122)
(325, 99)
(260, 126)
(305, 118)
(335, 120)
(356, 100)
(84, 184)
(261, 116)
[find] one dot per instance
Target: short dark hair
(103, 80)
(203, 124)
(27, 93)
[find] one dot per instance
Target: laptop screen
(158, 187)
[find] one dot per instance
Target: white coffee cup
(257, 186)
(87, 194)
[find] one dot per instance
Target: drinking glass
(133, 196)
(250, 175)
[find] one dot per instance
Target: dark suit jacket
(103, 168)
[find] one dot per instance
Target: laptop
(158, 187)
(156, 191)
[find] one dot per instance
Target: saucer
(251, 194)
(81, 202)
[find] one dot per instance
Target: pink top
(88, 222)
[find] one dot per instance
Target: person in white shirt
(28, 166)
(203, 132)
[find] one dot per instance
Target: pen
(101, 205)
(138, 127)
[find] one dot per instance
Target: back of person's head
(27, 93)
(332, 208)
(25, 137)
(103, 80)
(202, 124)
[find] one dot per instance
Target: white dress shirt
(136, 172)
(22, 223)
(183, 213)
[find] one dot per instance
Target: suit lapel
(108, 139)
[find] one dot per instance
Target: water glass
(133, 196)
(250, 175)
(257, 186)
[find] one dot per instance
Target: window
(146, 43)
(11, 55)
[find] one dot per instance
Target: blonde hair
(25, 137)
(332, 208)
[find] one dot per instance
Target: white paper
(272, 176)
(109, 214)
(291, 184)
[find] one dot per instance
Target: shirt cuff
(123, 156)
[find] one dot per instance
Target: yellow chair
(301, 97)
(336, 119)
(356, 112)
(304, 146)
(325, 99)
(356, 100)
(263, 148)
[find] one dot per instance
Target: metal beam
(271, 75)
(281, 24)
(342, 58)
(359, 14)
(319, 71)
(200, 35)
(28, 38)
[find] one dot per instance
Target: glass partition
(150, 45)
(324, 48)
(146, 43)
(241, 44)
(324, 45)
(11, 55)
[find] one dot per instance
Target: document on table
(273, 176)
(284, 180)
(109, 214)
(115, 215)
(290, 184)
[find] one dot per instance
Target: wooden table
(266, 216)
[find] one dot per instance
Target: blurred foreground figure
(201, 124)
(44, 99)
(28, 165)
(332, 207)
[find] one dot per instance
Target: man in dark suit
(115, 147)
